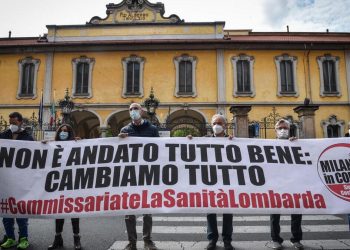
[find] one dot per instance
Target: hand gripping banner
(114, 176)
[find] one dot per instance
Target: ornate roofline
(135, 6)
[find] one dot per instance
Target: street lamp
(66, 106)
(151, 103)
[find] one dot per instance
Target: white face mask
(282, 133)
(218, 129)
(14, 128)
(135, 115)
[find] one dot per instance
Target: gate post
(103, 131)
(306, 114)
(240, 119)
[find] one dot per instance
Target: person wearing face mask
(348, 135)
(138, 127)
(15, 132)
(219, 125)
(282, 133)
(65, 133)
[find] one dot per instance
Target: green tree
(183, 132)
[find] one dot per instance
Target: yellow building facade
(195, 69)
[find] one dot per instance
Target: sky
(28, 18)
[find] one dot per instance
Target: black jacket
(23, 135)
(144, 130)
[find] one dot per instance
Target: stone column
(47, 91)
(221, 82)
(306, 114)
(240, 119)
(103, 131)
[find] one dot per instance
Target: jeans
(60, 222)
(212, 227)
(297, 233)
(9, 225)
(130, 221)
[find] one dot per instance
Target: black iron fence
(265, 128)
(180, 129)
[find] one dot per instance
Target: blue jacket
(144, 130)
(23, 135)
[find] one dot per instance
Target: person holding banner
(65, 133)
(219, 125)
(15, 132)
(138, 127)
(282, 132)
(348, 135)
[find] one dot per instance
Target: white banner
(114, 176)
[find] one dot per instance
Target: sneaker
(3, 240)
(297, 245)
(131, 246)
(149, 245)
(9, 243)
(274, 245)
(211, 245)
(228, 246)
(23, 243)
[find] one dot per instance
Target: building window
(333, 127)
(82, 81)
(185, 76)
(27, 79)
(133, 76)
(243, 75)
(333, 131)
(28, 74)
(82, 77)
(185, 82)
(286, 75)
(329, 75)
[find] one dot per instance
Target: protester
(141, 128)
(282, 132)
(219, 125)
(65, 133)
(16, 132)
(348, 135)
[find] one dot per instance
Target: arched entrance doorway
(86, 124)
(117, 121)
(185, 122)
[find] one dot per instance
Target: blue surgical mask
(135, 115)
(63, 135)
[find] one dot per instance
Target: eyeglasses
(134, 108)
